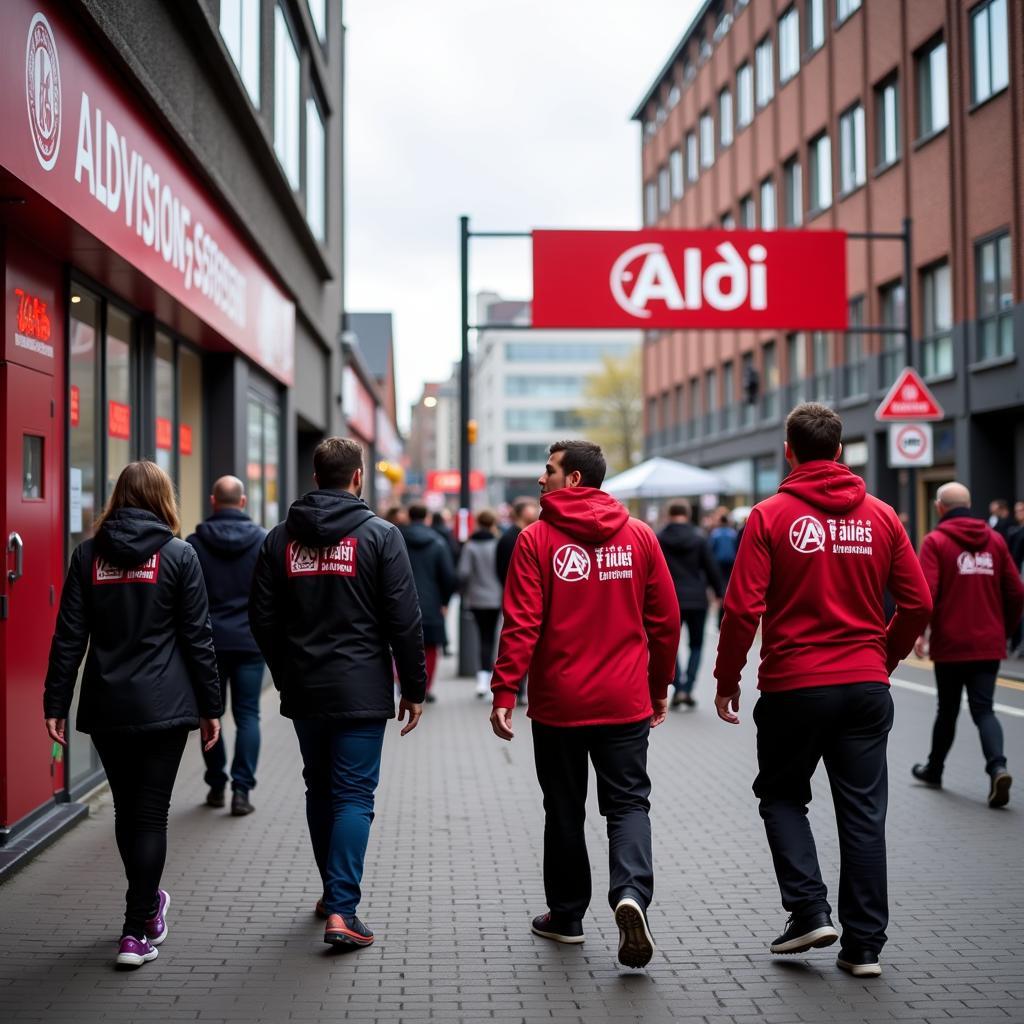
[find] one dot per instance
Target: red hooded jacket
(590, 612)
(977, 591)
(813, 566)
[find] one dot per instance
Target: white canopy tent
(666, 478)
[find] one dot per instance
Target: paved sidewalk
(453, 877)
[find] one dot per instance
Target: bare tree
(612, 410)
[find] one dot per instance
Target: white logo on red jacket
(978, 563)
(334, 560)
(572, 563)
(807, 535)
(148, 572)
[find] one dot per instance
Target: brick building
(849, 114)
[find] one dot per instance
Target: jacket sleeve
(661, 622)
(1013, 594)
(264, 616)
(913, 598)
(195, 631)
(711, 570)
(523, 611)
(402, 617)
(744, 603)
(446, 571)
(70, 640)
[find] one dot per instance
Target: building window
(567, 351)
(815, 25)
(318, 15)
(650, 203)
(932, 90)
(744, 96)
(748, 217)
(990, 70)
(649, 129)
(844, 8)
(674, 94)
(937, 343)
(692, 171)
(821, 362)
(240, 30)
(765, 71)
(316, 170)
(995, 298)
(750, 383)
(660, 116)
(794, 195)
(710, 401)
(286, 99)
(543, 386)
(820, 158)
(675, 166)
(887, 122)
(789, 45)
(852, 158)
(664, 193)
(769, 220)
(728, 418)
(707, 139)
(796, 366)
(725, 117)
(769, 381)
(892, 299)
(855, 380)
(728, 221)
(542, 419)
(524, 452)
(694, 421)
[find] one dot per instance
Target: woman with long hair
(482, 591)
(135, 597)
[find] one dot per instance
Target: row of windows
(543, 386)
(526, 452)
(542, 419)
(565, 352)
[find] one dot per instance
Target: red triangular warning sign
(909, 399)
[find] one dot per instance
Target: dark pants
(847, 727)
(141, 768)
(725, 571)
(693, 619)
(979, 679)
(486, 626)
(341, 768)
(619, 756)
(241, 675)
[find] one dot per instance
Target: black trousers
(141, 768)
(486, 627)
(847, 727)
(979, 679)
(619, 756)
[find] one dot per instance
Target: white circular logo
(807, 535)
(572, 563)
(42, 91)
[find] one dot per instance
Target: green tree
(612, 413)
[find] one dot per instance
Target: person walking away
(724, 544)
(590, 611)
(434, 573)
(815, 562)
(134, 597)
(228, 543)
(481, 590)
(333, 602)
(694, 569)
(440, 523)
(978, 598)
(999, 517)
(524, 512)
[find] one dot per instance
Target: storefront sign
(75, 405)
(662, 279)
(163, 433)
(185, 439)
(119, 420)
(78, 137)
(449, 481)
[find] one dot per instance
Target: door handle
(17, 545)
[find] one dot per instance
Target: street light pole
(464, 467)
(908, 358)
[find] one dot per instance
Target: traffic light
(471, 431)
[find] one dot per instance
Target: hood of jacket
(419, 535)
(827, 485)
(967, 532)
(584, 513)
(129, 536)
(322, 517)
(681, 538)
(483, 535)
(229, 532)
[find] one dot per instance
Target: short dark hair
(520, 505)
(585, 457)
(680, 507)
(814, 431)
(336, 460)
(417, 513)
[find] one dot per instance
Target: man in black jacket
(228, 544)
(524, 512)
(693, 569)
(333, 601)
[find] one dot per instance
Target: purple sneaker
(156, 926)
(133, 952)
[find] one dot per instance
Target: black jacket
(135, 595)
(228, 544)
(434, 573)
(503, 553)
(332, 599)
(691, 564)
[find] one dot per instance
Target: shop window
(121, 412)
(84, 501)
(287, 109)
(190, 436)
(164, 419)
(240, 30)
(263, 461)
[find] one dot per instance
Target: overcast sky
(515, 112)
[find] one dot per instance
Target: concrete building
(850, 114)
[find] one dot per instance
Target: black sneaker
(860, 964)
(346, 931)
(547, 926)
(215, 798)
(240, 805)
(678, 699)
(999, 794)
(636, 944)
(430, 698)
(804, 933)
(924, 774)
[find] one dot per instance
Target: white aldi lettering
(975, 563)
(148, 572)
(334, 560)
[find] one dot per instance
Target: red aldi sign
(665, 279)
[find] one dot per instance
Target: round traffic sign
(911, 441)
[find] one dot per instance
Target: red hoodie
(977, 591)
(814, 563)
(590, 612)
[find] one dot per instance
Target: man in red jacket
(814, 564)
(978, 598)
(591, 613)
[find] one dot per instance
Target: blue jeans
(693, 619)
(241, 677)
(341, 768)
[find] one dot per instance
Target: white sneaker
(483, 683)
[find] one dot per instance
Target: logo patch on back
(148, 572)
(334, 560)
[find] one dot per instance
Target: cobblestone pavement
(453, 877)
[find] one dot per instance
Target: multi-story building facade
(853, 115)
